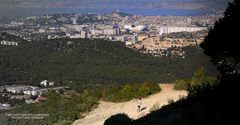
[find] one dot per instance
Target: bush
(181, 84)
(200, 80)
(118, 119)
(120, 93)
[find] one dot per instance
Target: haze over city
(139, 7)
(174, 4)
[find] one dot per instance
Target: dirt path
(107, 109)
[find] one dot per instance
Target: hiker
(139, 103)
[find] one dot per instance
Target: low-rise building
(21, 89)
(169, 29)
(44, 83)
(31, 92)
(83, 34)
(8, 43)
(108, 32)
(51, 83)
(6, 105)
(75, 36)
(30, 101)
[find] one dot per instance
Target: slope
(83, 61)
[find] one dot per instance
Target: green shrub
(120, 93)
(198, 82)
(181, 84)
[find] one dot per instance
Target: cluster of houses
(166, 47)
(28, 90)
(30, 94)
(8, 43)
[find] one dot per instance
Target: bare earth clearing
(107, 109)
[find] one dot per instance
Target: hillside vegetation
(120, 93)
(64, 107)
(58, 109)
(82, 61)
(199, 80)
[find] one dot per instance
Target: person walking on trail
(139, 103)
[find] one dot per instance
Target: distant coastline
(22, 12)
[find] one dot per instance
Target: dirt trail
(107, 109)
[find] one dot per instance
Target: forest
(84, 61)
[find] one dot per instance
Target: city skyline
(169, 4)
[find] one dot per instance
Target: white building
(166, 29)
(30, 101)
(28, 90)
(135, 28)
(44, 83)
(13, 90)
(41, 30)
(75, 36)
(74, 20)
(34, 92)
(83, 34)
(6, 105)
(51, 83)
(108, 32)
(8, 43)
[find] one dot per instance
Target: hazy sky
(170, 4)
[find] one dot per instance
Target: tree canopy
(92, 62)
(223, 40)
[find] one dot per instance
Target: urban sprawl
(155, 35)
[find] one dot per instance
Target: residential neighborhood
(13, 95)
(138, 32)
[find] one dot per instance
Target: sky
(135, 7)
(169, 4)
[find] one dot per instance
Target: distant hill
(92, 62)
(122, 14)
